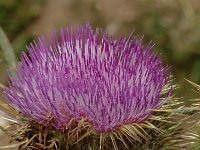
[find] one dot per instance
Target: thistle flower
(87, 82)
(110, 82)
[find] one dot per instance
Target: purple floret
(88, 75)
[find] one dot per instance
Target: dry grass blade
(29, 141)
(2, 86)
(14, 145)
(50, 146)
(7, 117)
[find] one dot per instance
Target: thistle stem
(7, 50)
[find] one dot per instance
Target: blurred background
(173, 25)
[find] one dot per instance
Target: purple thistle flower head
(88, 75)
